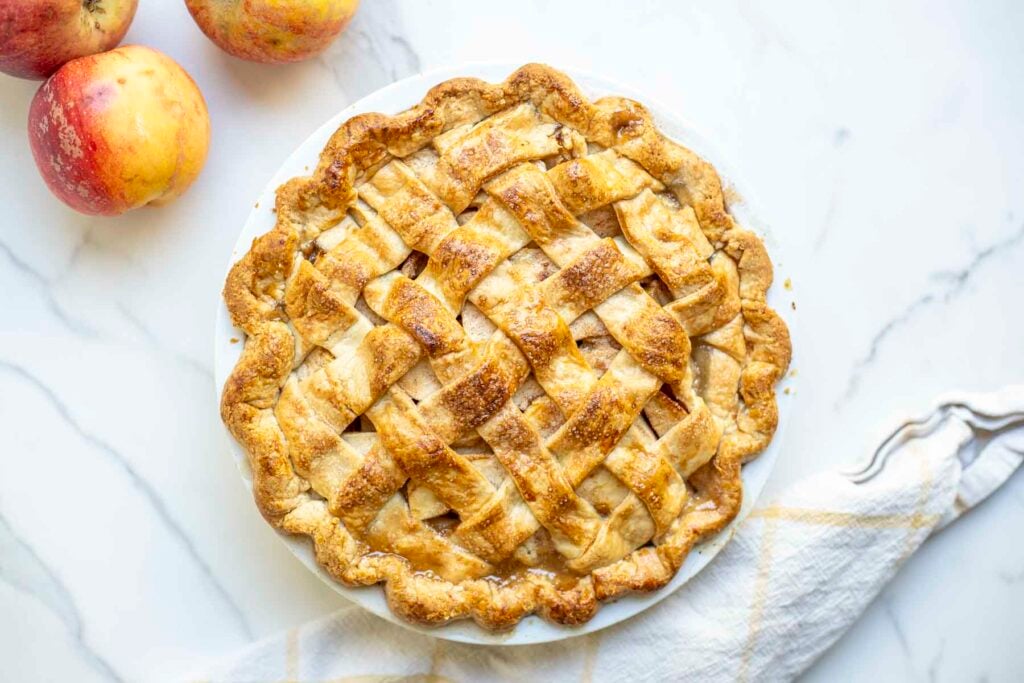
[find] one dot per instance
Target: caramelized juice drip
(511, 570)
(444, 525)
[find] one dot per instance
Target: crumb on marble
(234, 340)
(788, 284)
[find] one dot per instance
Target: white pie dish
(400, 96)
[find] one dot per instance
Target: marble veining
(40, 281)
(153, 339)
(885, 146)
(23, 570)
(951, 284)
(139, 482)
(376, 39)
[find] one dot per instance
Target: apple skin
(38, 36)
(272, 31)
(118, 130)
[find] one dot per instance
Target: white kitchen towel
(798, 572)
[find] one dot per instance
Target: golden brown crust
(586, 434)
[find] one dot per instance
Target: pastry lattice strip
(657, 479)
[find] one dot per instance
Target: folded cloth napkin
(797, 573)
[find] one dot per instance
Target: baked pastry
(505, 352)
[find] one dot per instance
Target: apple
(272, 31)
(38, 36)
(118, 130)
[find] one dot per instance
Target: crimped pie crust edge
(304, 205)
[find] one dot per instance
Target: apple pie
(506, 353)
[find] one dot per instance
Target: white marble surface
(886, 146)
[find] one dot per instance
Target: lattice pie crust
(506, 352)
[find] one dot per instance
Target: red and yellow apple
(118, 130)
(272, 31)
(38, 36)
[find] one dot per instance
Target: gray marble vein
(387, 39)
(405, 48)
(373, 52)
(23, 569)
(1012, 577)
(936, 662)
(839, 140)
(889, 610)
(45, 286)
(952, 283)
(770, 32)
(140, 483)
(155, 341)
(828, 218)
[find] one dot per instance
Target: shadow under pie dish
(505, 352)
